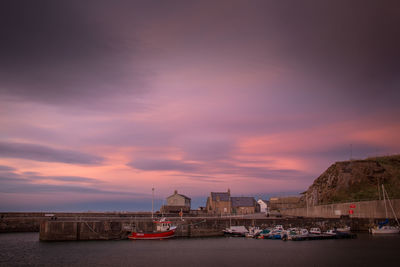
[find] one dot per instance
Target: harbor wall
(30, 221)
(108, 230)
(363, 209)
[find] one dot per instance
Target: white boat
(253, 232)
(383, 228)
(386, 229)
(303, 233)
(345, 229)
(296, 233)
(330, 232)
(315, 231)
(289, 233)
(236, 231)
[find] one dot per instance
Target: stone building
(176, 203)
(219, 203)
(244, 205)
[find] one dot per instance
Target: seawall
(30, 221)
(194, 227)
(362, 209)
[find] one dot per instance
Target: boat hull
(152, 235)
(377, 231)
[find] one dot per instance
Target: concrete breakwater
(198, 227)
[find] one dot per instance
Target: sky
(100, 101)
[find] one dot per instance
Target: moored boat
(315, 231)
(386, 229)
(331, 232)
(237, 231)
(164, 230)
(345, 229)
(253, 232)
(264, 234)
(383, 227)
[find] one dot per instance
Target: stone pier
(199, 227)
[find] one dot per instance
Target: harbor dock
(108, 226)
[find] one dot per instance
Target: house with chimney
(221, 203)
(176, 203)
(244, 205)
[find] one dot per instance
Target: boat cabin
(163, 225)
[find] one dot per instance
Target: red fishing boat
(164, 230)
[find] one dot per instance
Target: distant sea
(25, 249)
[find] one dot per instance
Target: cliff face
(355, 180)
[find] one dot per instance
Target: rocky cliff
(355, 180)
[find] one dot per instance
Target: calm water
(21, 249)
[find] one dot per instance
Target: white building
(264, 205)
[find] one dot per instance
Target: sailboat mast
(384, 200)
(152, 203)
(390, 204)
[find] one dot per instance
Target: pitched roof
(184, 196)
(242, 202)
(179, 195)
(223, 196)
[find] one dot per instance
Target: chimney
(229, 192)
(176, 192)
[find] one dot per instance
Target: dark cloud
(162, 165)
(87, 53)
(6, 168)
(65, 53)
(46, 154)
(29, 177)
(11, 177)
(206, 170)
(27, 184)
(67, 179)
(236, 170)
(199, 178)
(350, 47)
(13, 182)
(73, 179)
(19, 187)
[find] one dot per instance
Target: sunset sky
(102, 100)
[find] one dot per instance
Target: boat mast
(390, 204)
(152, 203)
(384, 200)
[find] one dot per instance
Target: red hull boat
(153, 235)
(164, 230)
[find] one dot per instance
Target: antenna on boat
(152, 202)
